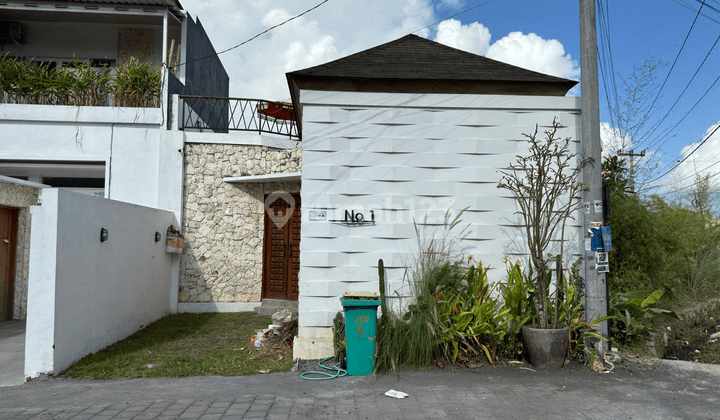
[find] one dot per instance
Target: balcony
(74, 83)
(238, 114)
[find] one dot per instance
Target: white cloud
(337, 29)
(474, 38)
(535, 53)
(527, 51)
(334, 30)
(704, 161)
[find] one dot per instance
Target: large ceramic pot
(546, 348)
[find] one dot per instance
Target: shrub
(78, 83)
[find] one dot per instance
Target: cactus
(381, 278)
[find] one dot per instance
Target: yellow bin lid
(360, 295)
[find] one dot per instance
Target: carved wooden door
(281, 259)
(8, 229)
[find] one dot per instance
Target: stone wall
(18, 196)
(223, 222)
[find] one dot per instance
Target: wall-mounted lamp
(103, 234)
(158, 236)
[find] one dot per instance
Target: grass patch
(188, 345)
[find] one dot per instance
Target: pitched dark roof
(429, 66)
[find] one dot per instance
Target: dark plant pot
(546, 348)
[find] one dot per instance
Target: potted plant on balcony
(545, 186)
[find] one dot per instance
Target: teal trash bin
(360, 331)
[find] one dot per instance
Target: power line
(663, 137)
(452, 16)
(647, 114)
(603, 63)
(691, 8)
(689, 154)
(256, 36)
(655, 127)
(686, 187)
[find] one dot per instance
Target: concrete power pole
(595, 283)
(632, 155)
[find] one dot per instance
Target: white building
(405, 133)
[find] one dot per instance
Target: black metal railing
(238, 114)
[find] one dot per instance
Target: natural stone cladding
(223, 223)
(20, 197)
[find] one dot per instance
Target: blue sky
(541, 35)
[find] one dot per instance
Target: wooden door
(281, 259)
(8, 232)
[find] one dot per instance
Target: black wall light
(158, 236)
(103, 234)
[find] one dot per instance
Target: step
(270, 306)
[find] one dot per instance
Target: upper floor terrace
(124, 53)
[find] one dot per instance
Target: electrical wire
(689, 154)
(604, 58)
(655, 127)
(692, 9)
(647, 114)
(663, 136)
(256, 36)
(452, 16)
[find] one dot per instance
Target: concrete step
(270, 306)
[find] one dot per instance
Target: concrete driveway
(12, 353)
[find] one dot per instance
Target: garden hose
(338, 371)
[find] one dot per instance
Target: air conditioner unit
(13, 32)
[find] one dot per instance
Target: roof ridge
(360, 54)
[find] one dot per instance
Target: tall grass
(408, 337)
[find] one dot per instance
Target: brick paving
(486, 393)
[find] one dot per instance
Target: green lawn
(188, 345)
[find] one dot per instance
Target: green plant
(339, 336)
(407, 337)
(78, 83)
(545, 186)
(469, 319)
(518, 297)
(633, 313)
(137, 84)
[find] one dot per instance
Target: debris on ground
(396, 394)
(276, 341)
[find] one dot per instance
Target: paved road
(12, 353)
(665, 390)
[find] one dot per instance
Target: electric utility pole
(595, 282)
(632, 155)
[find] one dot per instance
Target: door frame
(10, 269)
(266, 250)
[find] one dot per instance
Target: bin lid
(360, 295)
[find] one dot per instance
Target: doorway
(281, 252)
(8, 234)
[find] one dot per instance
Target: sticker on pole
(279, 214)
(598, 206)
(607, 239)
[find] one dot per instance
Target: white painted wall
(83, 294)
(143, 161)
(408, 156)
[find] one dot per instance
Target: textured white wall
(410, 158)
(85, 294)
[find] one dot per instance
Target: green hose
(338, 371)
